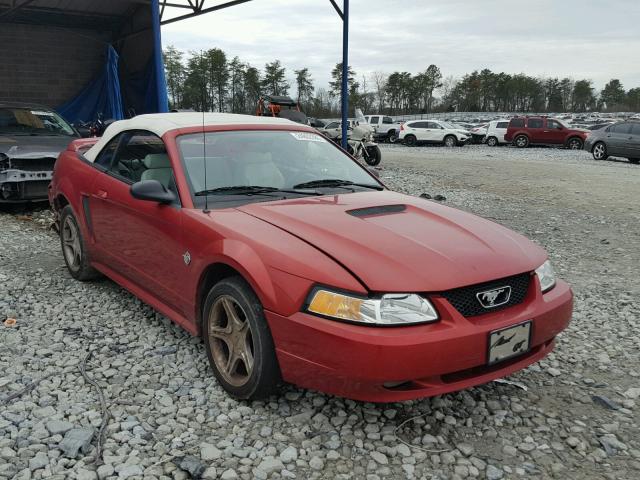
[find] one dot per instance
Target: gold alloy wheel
(71, 244)
(230, 341)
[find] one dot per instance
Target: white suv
(495, 133)
(432, 131)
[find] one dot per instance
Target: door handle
(101, 194)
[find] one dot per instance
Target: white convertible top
(161, 123)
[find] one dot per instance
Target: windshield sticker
(307, 137)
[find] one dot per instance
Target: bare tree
(380, 82)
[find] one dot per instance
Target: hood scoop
(374, 211)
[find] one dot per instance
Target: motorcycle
(360, 144)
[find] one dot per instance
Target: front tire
(373, 156)
(599, 151)
(575, 143)
(450, 141)
(411, 140)
(521, 141)
(74, 249)
(492, 141)
(238, 341)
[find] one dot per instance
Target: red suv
(525, 131)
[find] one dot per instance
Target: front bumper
(18, 186)
(422, 361)
(588, 144)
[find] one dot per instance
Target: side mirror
(153, 191)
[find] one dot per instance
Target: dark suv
(618, 140)
(525, 131)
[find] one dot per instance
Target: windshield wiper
(252, 190)
(334, 182)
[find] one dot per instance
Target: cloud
(595, 40)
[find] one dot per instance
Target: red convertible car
(296, 264)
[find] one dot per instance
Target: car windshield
(33, 121)
(265, 163)
(451, 126)
(562, 122)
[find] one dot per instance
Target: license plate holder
(509, 342)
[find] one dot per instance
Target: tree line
(212, 81)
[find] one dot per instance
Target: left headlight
(390, 309)
(547, 276)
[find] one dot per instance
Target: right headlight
(547, 276)
(393, 309)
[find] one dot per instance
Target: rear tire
(492, 141)
(575, 143)
(238, 341)
(392, 136)
(599, 151)
(74, 249)
(521, 141)
(411, 140)
(373, 156)
(450, 141)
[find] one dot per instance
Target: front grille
(466, 302)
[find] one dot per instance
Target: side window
(620, 128)
(502, 125)
(432, 125)
(140, 156)
(534, 123)
(387, 120)
(553, 124)
(332, 125)
(374, 120)
(635, 129)
(106, 155)
(415, 125)
(517, 123)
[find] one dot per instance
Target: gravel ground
(147, 391)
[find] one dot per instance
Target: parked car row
(619, 140)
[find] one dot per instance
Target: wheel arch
(237, 260)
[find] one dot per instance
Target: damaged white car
(31, 137)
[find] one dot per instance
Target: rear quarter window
(517, 123)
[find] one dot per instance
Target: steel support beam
(15, 8)
(198, 10)
(345, 73)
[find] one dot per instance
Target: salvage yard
(574, 415)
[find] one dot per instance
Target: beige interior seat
(158, 168)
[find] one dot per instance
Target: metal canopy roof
(115, 16)
(105, 15)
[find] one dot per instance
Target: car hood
(397, 243)
(28, 146)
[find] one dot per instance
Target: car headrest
(157, 160)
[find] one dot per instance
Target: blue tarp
(101, 96)
(115, 97)
(157, 100)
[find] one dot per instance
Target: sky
(592, 39)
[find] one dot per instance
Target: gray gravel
(167, 418)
